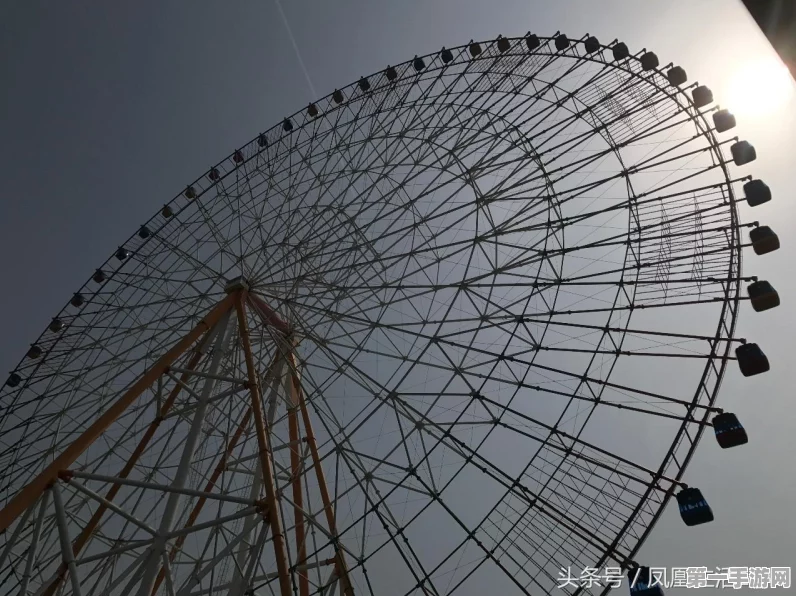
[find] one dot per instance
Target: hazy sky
(107, 112)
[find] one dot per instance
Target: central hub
(239, 283)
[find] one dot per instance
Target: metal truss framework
(60, 492)
(439, 268)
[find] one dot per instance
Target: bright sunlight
(759, 88)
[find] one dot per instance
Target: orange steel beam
(298, 497)
(211, 483)
(88, 530)
(34, 489)
(341, 567)
(264, 445)
(268, 315)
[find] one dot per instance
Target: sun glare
(759, 88)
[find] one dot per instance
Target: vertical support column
(11, 542)
(240, 579)
(167, 573)
(341, 569)
(66, 543)
(298, 497)
(153, 561)
(264, 445)
(34, 543)
(211, 483)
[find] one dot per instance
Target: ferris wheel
(451, 328)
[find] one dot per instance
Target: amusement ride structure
(449, 329)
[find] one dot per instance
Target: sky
(107, 112)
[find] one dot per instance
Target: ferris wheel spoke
(621, 239)
(482, 469)
(244, 187)
(546, 148)
(651, 263)
(246, 256)
(408, 229)
(539, 138)
(547, 87)
(598, 455)
(715, 210)
(214, 274)
(601, 106)
(410, 559)
(531, 364)
(576, 528)
(579, 166)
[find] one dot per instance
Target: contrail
(295, 47)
